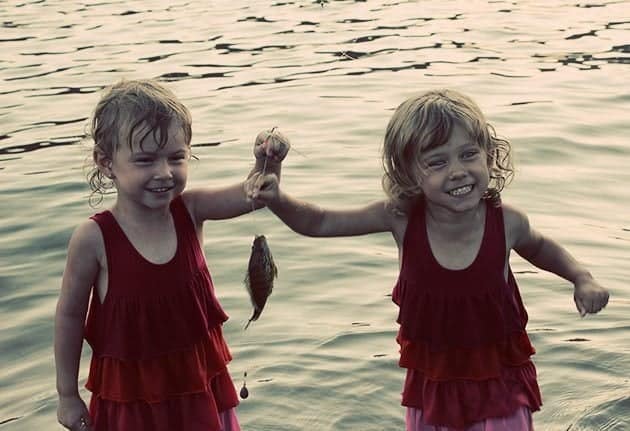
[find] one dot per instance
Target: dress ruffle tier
(192, 412)
(444, 319)
(480, 363)
(442, 402)
(154, 379)
(467, 354)
(152, 369)
(146, 326)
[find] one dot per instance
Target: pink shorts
(520, 420)
(229, 422)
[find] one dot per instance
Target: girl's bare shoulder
(397, 219)
(87, 240)
(516, 224)
(513, 216)
(387, 213)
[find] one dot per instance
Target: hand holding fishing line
(262, 188)
(271, 145)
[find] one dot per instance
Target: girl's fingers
(600, 301)
(271, 144)
(580, 306)
(266, 187)
(276, 145)
(591, 304)
(261, 138)
(258, 183)
(250, 185)
(264, 182)
(82, 424)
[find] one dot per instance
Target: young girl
(462, 322)
(154, 324)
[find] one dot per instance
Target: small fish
(260, 274)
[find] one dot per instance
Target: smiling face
(455, 175)
(127, 111)
(148, 175)
(439, 123)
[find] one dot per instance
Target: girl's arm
(310, 220)
(548, 255)
(82, 267)
(270, 148)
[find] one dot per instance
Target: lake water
(553, 76)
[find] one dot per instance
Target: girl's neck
(133, 215)
(151, 232)
(449, 223)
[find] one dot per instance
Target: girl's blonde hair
(425, 122)
(126, 109)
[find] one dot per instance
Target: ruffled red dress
(462, 332)
(159, 360)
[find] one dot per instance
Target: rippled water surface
(553, 76)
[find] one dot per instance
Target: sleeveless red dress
(158, 354)
(462, 332)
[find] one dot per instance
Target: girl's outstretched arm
(270, 149)
(547, 254)
(310, 220)
(82, 268)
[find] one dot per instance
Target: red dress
(462, 332)
(158, 354)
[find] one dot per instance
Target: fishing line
(244, 392)
(264, 170)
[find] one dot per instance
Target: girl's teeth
(460, 191)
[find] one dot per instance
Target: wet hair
(128, 109)
(425, 122)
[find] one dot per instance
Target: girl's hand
(589, 296)
(271, 144)
(262, 188)
(72, 414)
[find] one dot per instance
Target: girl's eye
(434, 164)
(143, 160)
(470, 154)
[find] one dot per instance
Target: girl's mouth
(460, 191)
(159, 189)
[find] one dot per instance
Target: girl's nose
(456, 170)
(163, 169)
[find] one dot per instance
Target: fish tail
(247, 324)
(254, 317)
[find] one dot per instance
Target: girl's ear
(103, 162)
